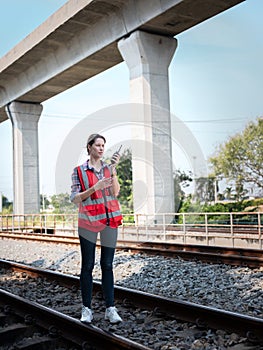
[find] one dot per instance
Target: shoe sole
(86, 321)
(107, 319)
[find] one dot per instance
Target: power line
(81, 116)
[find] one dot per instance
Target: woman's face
(97, 148)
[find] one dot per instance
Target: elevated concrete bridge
(84, 38)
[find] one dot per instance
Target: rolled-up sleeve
(76, 186)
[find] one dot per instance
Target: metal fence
(235, 229)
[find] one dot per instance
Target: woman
(94, 189)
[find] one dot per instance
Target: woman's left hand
(115, 159)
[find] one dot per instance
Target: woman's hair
(92, 138)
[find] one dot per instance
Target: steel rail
(226, 255)
(203, 316)
(67, 327)
(232, 256)
(40, 237)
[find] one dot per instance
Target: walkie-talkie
(113, 161)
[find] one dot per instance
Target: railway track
(211, 254)
(29, 325)
(199, 317)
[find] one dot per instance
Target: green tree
(240, 159)
(44, 202)
(181, 181)
(124, 170)
(228, 192)
(7, 206)
(62, 204)
(206, 189)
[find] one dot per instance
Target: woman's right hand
(103, 183)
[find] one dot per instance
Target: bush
(228, 207)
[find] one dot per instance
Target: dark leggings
(108, 238)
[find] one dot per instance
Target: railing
(240, 229)
(40, 223)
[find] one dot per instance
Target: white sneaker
(86, 314)
(112, 315)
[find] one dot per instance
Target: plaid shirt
(76, 186)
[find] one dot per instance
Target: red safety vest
(101, 208)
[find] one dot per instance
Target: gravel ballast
(236, 289)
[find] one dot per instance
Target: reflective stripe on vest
(92, 211)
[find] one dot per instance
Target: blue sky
(215, 83)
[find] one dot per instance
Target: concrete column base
(24, 118)
(148, 57)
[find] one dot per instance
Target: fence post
(232, 230)
(206, 229)
(45, 223)
(146, 226)
(164, 227)
(184, 228)
(25, 223)
(122, 231)
(13, 223)
(259, 231)
(137, 226)
(73, 225)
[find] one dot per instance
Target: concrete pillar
(24, 118)
(148, 57)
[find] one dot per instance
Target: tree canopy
(181, 181)
(124, 170)
(240, 159)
